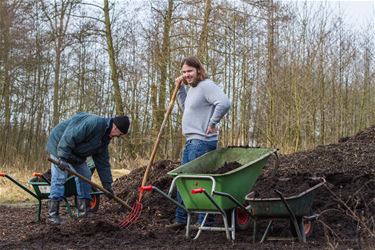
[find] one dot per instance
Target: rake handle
(105, 191)
(157, 142)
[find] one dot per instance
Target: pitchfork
(137, 207)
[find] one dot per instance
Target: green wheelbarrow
(295, 208)
(203, 192)
(41, 189)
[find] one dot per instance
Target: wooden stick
(157, 142)
(105, 191)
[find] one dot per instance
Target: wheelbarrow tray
(266, 208)
(43, 188)
(237, 183)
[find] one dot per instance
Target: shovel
(137, 207)
(105, 191)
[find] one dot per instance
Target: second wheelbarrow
(41, 185)
(203, 191)
(296, 208)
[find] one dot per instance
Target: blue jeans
(193, 149)
(59, 177)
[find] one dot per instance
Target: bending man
(72, 141)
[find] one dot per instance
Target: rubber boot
(53, 212)
(82, 207)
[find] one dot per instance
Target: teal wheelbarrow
(204, 192)
(41, 189)
(296, 208)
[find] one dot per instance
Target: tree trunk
(112, 61)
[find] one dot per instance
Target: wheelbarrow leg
(302, 230)
(26, 190)
(200, 227)
(293, 218)
(67, 205)
(39, 209)
(233, 225)
(188, 220)
(221, 211)
(255, 231)
(226, 226)
(266, 231)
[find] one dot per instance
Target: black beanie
(122, 123)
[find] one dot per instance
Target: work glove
(63, 164)
(108, 187)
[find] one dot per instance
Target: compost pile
(156, 210)
(228, 166)
(345, 204)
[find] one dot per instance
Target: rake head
(133, 215)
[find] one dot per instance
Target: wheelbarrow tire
(94, 203)
(243, 219)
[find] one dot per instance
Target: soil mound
(346, 203)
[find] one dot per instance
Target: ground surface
(346, 205)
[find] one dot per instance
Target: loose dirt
(345, 204)
(228, 166)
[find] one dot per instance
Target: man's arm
(218, 99)
(181, 94)
(104, 168)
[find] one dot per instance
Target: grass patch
(9, 191)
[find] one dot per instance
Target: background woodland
(296, 78)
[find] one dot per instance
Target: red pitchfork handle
(156, 144)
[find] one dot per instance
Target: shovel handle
(156, 144)
(105, 191)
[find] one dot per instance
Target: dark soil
(228, 166)
(345, 204)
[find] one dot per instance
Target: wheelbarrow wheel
(94, 203)
(243, 219)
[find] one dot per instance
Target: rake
(137, 207)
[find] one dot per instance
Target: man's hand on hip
(211, 129)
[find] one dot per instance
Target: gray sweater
(202, 105)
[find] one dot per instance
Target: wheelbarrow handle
(292, 216)
(105, 191)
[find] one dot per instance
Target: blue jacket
(81, 136)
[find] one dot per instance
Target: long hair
(193, 61)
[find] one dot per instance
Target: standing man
(203, 106)
(72, 141)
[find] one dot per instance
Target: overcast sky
(356, 13)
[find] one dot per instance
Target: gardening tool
(105, 191)
(137, 207)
